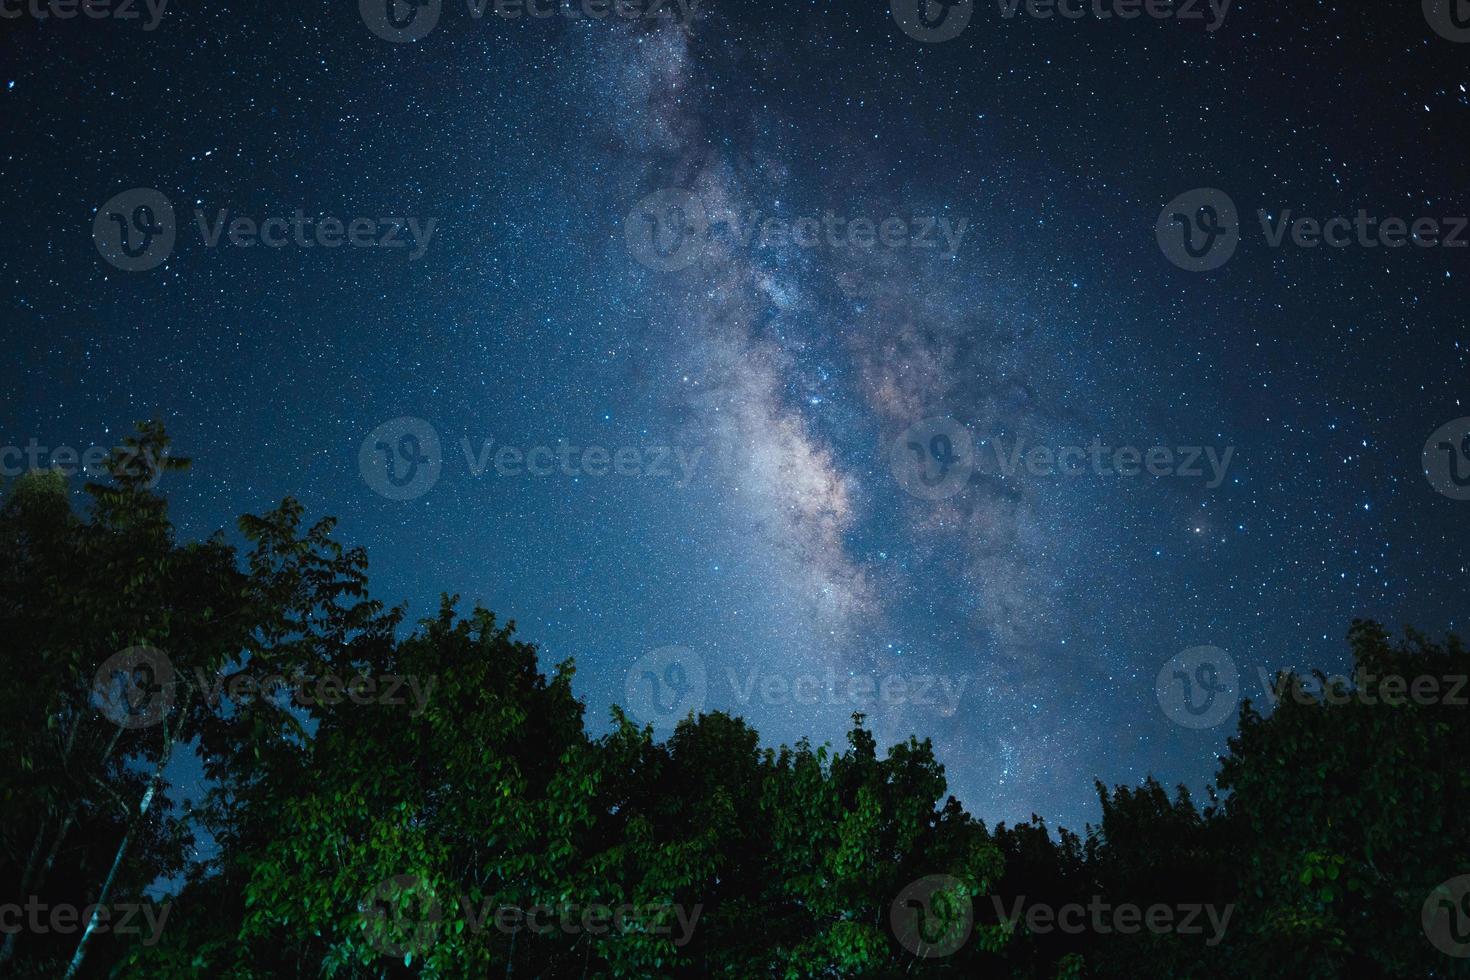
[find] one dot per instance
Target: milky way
(881, 241)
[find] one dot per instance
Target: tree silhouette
(384, 802)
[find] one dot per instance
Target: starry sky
(556, 301)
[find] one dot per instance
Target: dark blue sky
(794, 551)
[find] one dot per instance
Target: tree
(429, 803)
(1348, 805)
(88, 608)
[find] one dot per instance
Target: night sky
(583, 285)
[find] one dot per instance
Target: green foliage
(376, 839)
(1346, 809)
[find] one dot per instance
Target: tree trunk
(7, 949)
(122, 849)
